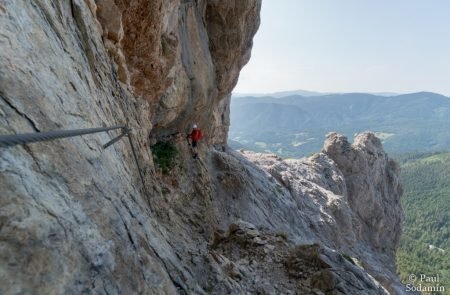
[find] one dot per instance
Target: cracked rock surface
(262, 263)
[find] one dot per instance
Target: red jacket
(196, 134)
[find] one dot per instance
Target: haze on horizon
(397, 46)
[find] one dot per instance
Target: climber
(195, 136)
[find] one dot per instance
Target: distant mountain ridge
(296, 125)
(305, 93)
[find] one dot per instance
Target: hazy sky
(350, 46)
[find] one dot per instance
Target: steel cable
(16, 139)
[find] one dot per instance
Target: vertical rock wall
(176, 55)
(73, 216)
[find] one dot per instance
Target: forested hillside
(425, 243)
(295, 126)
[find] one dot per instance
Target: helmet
(194, 126)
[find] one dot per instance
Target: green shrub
(164, 154)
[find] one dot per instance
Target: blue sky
(350, 46)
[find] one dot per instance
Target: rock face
(373, 188)
(176, 55)
(349, 199)
(75, 218)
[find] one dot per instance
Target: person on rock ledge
(196, 135)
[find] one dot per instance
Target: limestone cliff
(75, 218)
(347, 197)
(176, 55)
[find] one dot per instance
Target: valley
(295, 126)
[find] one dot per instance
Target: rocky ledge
(346, 198)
